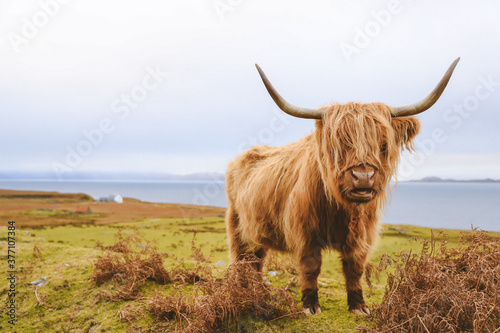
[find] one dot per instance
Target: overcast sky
(170, 86)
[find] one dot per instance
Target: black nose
(363, 179)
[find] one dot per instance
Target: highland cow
(325, 191)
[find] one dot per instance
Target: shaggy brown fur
(296, 198)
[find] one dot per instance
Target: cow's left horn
(427, 102)
(291, 109)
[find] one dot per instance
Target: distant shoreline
(441, 180)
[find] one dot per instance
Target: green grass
(47, 212)
(59, 213)
(70, 303)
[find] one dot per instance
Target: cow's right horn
(291, 109)
(427, 102)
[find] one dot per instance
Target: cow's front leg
(310, 267)
(353, 271)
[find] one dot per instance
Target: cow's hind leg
(353, 271)
(238, 249)
(310, 267)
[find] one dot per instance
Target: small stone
(266, 280)
(40, 282)
(272, 273)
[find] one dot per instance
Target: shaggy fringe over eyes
(354, 133)
(358, 128)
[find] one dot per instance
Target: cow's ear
(405, 130)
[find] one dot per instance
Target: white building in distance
(112, 198)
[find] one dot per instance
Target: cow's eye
(383, 148)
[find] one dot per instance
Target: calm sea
(435, 205)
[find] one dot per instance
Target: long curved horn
(427, 102)
(291, 109)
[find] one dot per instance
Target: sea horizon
(440, 205)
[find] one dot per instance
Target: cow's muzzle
(362, 180)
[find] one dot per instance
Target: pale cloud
(64, 79)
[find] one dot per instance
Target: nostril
(363, 178)
(363, 175)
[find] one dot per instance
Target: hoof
(361, 311)
(310, 301)
(310, 311)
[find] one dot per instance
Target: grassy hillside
(34, 209)
(72, 302)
